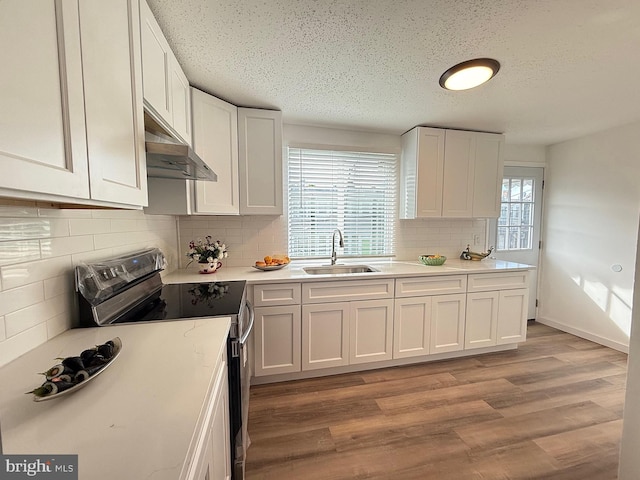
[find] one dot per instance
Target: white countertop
(294, 271)
(137, 419)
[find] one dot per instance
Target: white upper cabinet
(450, 173)
(71, 111)
(165, 86)
(243, 146)
(459, 166)
(422, 167)
(489, 167)
(42, 138)
(112, 72)
(215, 140)
(260, 161)
(181, 103)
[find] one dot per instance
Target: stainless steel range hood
(168, 157)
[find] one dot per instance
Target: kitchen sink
(335, 269)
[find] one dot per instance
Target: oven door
(239, 379)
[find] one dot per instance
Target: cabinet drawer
(276, 294)
(323, 292)
(420, 286)
(484, 282)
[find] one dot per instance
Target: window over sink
(355, 191)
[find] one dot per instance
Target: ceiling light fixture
(469, 74)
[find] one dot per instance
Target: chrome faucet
(334, 256)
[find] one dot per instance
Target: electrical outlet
(476, 239)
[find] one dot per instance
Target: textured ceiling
(375, 64)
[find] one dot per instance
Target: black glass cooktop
(188, 300)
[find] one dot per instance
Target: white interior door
(516, 233)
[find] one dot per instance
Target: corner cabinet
(166, 88)
(215, 140)
(450, 173)
(260, 161)
(72, 120)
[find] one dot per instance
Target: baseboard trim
(607, 342)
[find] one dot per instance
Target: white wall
(592, 203)
(629, 459)
(39, 248)
(525, 155)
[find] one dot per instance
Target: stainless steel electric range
(129, 289)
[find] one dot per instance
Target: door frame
(491, 233)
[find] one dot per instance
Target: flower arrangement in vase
(207, 254)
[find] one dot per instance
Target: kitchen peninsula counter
(138, 419)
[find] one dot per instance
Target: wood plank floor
(550, 410)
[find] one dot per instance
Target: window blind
(350, 190)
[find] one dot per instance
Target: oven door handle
(252, 318)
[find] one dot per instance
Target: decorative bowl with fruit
(433, 260)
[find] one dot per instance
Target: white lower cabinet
(496, 318)
(447, 323)
(212, 455)
(427, 325)
(277, 340)
(411, 327)
(482, 320)
(370, 331)
(512, 316)
(309, 326)
(325, 335)
(346, 333)
(496, 309)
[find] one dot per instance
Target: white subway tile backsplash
(56, 247)
(17, 210)
(21, 320)
(127, 214)
(89, 226)
(125, 225)
(58, 324)
(62, 284)
(28, 273)
(23, 342)
(111, 240)
(15, 299)
(37, 296)
(64, 212)
(19, 251)
(23, 228)
(194, 222)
